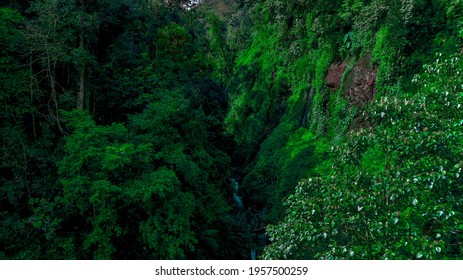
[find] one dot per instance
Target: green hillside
(238, 129)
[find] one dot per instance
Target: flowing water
(252, 217)
(236, 197)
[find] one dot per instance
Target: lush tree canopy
(230, 129)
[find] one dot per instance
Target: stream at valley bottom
(253, 218)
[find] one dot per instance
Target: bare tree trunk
(32, 97)
(51, 76)
(81, 93)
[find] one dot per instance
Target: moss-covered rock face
(396, 188)
(335, 62)
(360, 84)
(334, 75)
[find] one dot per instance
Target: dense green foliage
(395, 191)
(136, 171)
(127, 125)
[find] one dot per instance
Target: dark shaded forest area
(271, 129)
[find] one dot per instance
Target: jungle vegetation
(172, 129)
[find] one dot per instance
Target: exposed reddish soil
(335, 72)
(359, 86)
(361, 82)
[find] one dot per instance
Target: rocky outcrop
(360, 85)
(335, 72)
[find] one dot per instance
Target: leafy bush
(396, 188)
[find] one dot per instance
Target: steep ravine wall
(358, 87)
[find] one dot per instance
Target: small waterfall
(308, 100)
(252, 217)
(236, 197)
(253, 254)
(238, 200)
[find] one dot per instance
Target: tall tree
(57, 37)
